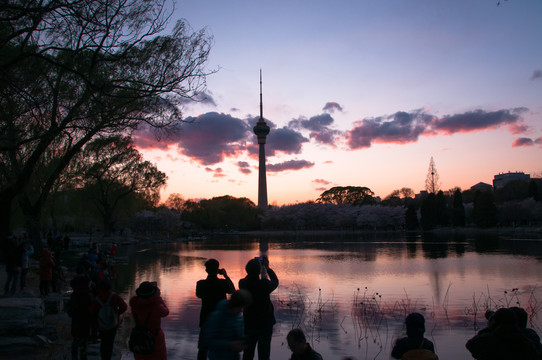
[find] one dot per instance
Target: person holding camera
(259, 316)
(211, 291)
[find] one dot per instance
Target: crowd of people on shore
(242, 324)
(95, 309)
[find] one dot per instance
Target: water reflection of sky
(351, 297)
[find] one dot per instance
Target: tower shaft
(261, 130)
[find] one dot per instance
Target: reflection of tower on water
(261, 130)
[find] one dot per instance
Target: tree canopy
(354, 195)
(74, 70)
(110, 169)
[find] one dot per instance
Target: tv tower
(261, 130)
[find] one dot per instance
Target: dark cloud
(319, 128)
(403, 127)
(326, 136)
(400, 127)
(315, 123)
(217, 173)
(244, 167)
(202, 98)
(284, 140)
(146, 139)
(332, 106)
(537, 74)
(538, 141)
(289, 165)
(476, 121)
(211, 137)
(522, 142)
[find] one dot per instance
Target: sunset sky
(359, 93)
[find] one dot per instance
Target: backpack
(107, 316)
(141, 340)
(72, 307)
(419, 354)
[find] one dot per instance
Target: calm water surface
(350, 293)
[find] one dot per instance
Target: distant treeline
(518, 203)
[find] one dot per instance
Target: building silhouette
(261, 130)
(481, 186)
(502, 179)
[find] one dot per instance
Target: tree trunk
(5, 217)
(107, 220)
(32, 216)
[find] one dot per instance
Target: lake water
(350, 293)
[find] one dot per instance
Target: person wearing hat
(148, 304)
(211, 291)
(259, 315)
(414, 344)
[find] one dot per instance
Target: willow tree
(110, 170)
(72, 70)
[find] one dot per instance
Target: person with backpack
(148, 309)
(223, 334)
(414, 345)
(78, 309)
(106, 309)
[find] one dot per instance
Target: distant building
(481, 186)
(502, 179)
(421, 195)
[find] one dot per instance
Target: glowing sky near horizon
(359, 93)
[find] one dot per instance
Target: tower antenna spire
(261, 98)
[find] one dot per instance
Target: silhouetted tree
(533, 190)
(458, 210)
(398, 197)
(512, 191)
(411, 217)
(353, 195)
(175, 202)
(485, 210)
(432, 181)
(442, 209)
(73, 70)
(429, 212)
(223, 213)
(110, 169)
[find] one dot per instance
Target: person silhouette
(502, 339)
(259, 316)
(223, 332)
(414, 345)
(522, 318)
(106, 297)
(148, 309)
(301, 350)
(211, 291)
